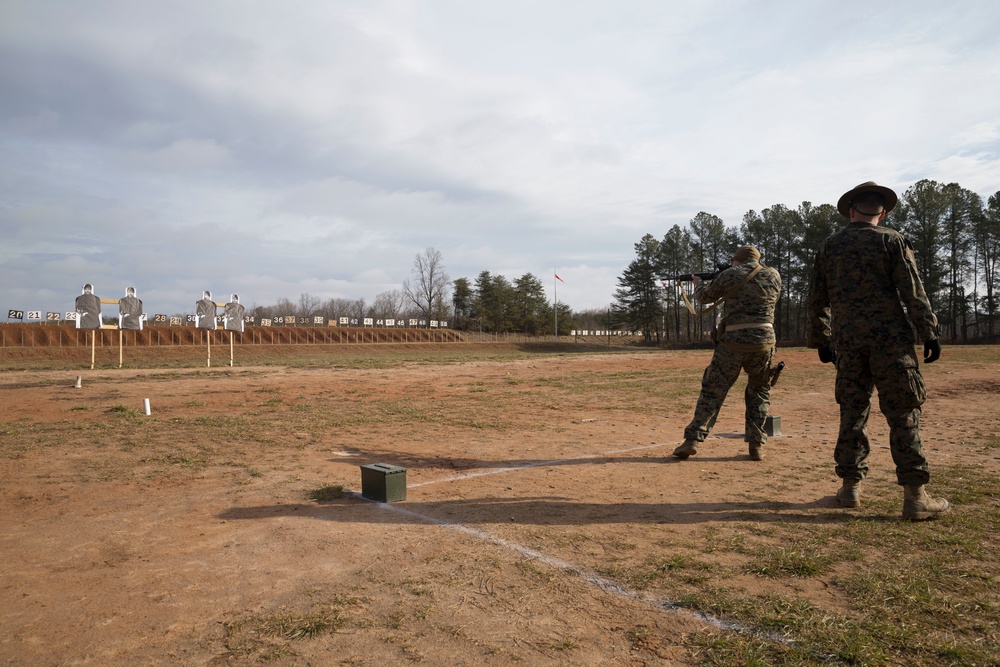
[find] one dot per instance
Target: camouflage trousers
(719, 377)
(894, 371)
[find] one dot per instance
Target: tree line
(489, 304)
(955, 237)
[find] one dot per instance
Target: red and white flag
(558, 278)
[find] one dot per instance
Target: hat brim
(844, 203)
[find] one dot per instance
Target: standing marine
(862, 278)
(745, 341)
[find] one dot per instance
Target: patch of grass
(79, 408)
(782, 562)
(636, 578)
(566, 645)
(125, 411)
(327, 493)
(266, 637)
(910, 593)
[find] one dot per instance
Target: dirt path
(189, 537)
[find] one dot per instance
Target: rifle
(708, 275)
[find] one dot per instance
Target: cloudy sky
(274, 148)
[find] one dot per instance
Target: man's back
(865, 274)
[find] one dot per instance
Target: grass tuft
(327, 493)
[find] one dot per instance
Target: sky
(275, 149)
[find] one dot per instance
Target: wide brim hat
(844, 203)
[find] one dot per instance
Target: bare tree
(283, 308)
(308, 305)
(337, 308)
(388, 305)
(430, 283)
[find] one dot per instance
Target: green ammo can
(383, 482)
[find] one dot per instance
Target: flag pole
(555, 298)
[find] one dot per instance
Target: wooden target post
(121, 340)
(208, 338)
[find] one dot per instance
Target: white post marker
(145, 405)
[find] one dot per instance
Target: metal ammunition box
(383, 482)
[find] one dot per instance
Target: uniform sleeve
(911, 290)
(818, 332)
(712, 290)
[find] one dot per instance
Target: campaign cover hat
(844, 203)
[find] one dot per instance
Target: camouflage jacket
(862, 277)
(752, 303)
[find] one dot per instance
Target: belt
(749, 325)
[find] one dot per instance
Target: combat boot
(689, 448)
(755, 453)
(849, 495)
(918, 506)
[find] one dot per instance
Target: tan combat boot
(755, 453)
(849, 495)
(918, 506)
(689, 448)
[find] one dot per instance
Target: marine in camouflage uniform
(745, 342)
(862, 277)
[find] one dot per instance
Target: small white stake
(79, 381)
(145, 404)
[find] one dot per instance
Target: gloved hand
(826, 355)
(932, 351)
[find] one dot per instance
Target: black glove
(932, 351)
(826, 355)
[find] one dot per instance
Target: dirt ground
(189, 536)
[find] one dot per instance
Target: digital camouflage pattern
(862, 277)
(752, 303)
(750, 349)
(719, 377)
(893, 370)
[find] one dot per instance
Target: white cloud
(319, 150)
(183, 155)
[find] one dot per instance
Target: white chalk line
(591, 578)
(600, 582)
